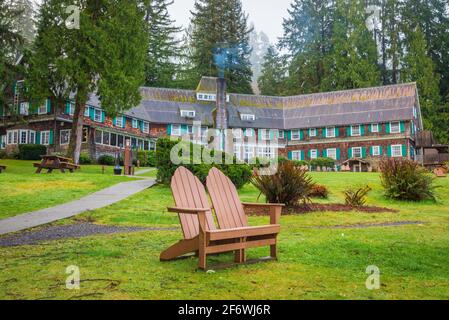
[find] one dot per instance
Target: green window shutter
(404, 150)
(183, 129)
(289, 135)
(271, 134)
(48, 103)
(169, 129)
(349, 153)
(370, 128)
(301, 134)
(337, 132)
(388, 127)
(380, 150)
(103, 116)
(371, 150)
(302, 155)
(363, 152)
(51, 138)
(317, 153)
(67, 107)
(91, 113)
(114, 121)
(290, 157)
(259, 134)
(38, 137)
(123, 122)
(309, 154)
(362, 130)
(389, 152)
(325, 153)
(323, 132)
(338, 154)
(348, 131)
(402, 126)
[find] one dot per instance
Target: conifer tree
(105, 55)
(220, 27)
(164, 51)
(271, 81)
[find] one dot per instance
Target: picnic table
(2, 168)
(51, 162)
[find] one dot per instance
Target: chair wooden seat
(201, 235)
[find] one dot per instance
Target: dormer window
(247, 117)
(188, 113)
(209, 97)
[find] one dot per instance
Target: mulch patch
(317, 207)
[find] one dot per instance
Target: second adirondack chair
(200, 233)
(230, 213)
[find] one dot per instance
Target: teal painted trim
(303, 157)
(48, 104)
(123, 122)
(103, 116)
(337, 132)
(289, 135)
(363, 152)
(38, 137)
(362, 130)
(350, 153)
(338, 154)
(404, 150)
(388, 127)
(51, 138)
(325, 152)
(290, 156)
(348, 131)
(91, 113)
(169, 129)
(301, 134)
(389, 152)
(402, 123)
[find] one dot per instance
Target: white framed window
(42, 109)
(145, 127)
(97, 115)
(330, 132)
(45, 138)
(396, 150)
(2, 142)
(237, 152)
(313, 154)
(296, 155)
(12, 137)
(249, 132)
(31, 136)
(176, 130)
(395, 127)
(72, 108)
(86, 111)
(190, 129)
(357, 152)
(237, 133)
(249, 153)
(24, 108)
(312, 132)
(375, 151)
(265, 134)
(135, 123)
(64, 137)
(375, 128)
(188, 113)
(23, 137)
(296, 134)
(281, 134)
(355, 131)
(332, 153)
(247, 117)
(265, 152)
(119, 122)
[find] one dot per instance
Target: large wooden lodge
(350, 126)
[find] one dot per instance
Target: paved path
(94, 201)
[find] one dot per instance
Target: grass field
(316, 261)
(21, 190)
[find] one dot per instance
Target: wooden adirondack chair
(200, 233)
(231, 216)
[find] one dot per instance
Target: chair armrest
(257, 205)
(188, 210)
(275, 210)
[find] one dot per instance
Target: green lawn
(314, 263)
(21, 190)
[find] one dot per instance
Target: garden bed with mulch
(318, 207)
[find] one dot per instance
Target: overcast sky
(266, 15)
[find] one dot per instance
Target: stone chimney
(221, 120)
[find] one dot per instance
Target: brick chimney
(221, 120)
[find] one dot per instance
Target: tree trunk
(76, 133)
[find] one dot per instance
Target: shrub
(239, 174)
(142, 156)
(289, 185)
(31, 151)
(106, 160)
(404, 179)
(85, 158)
(3, 154)
(356, 197)
(300, 163)
(151, 158)
(319, 191)
(322, 162)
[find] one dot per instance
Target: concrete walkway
(94, 201)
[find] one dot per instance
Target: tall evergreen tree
(10, 43)
(353, 62)
(161, 67)
(25, 22)
(92, 59)
(219, 40)
(271, 81)
(307, 37)
(419, 67)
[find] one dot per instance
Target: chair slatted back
(188, 192)
(225, 200)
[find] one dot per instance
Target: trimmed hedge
(85, 158)
(322, 162)
(239, 173)
(106, 160)
(31, 151)
(147, 158)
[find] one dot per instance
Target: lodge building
(349, 126)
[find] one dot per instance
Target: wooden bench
(51, 162)
(2, 168)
